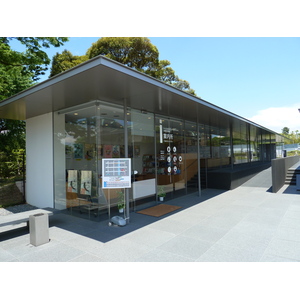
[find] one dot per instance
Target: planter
(121, 210)
(161, 198)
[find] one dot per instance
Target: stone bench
(10, 220)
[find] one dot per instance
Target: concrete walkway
(248, 224)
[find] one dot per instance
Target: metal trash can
(39, 229)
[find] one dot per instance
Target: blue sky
(240, 55)
(254, 77)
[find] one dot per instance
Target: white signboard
(116, 173)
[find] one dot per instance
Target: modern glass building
(99, 111)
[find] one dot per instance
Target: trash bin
(39, 229)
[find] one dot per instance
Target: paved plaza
(248, 224)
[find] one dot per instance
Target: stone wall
(10, 195)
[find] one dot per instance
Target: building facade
(176, 143)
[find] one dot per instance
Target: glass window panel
(142, 146)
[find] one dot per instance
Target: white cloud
(275, 118)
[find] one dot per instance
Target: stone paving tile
(188, 217)
(86, 257)
(170, 225)
(255, 228)
(6, 256)
(157, 255)
(249, 242)
(221, 221)
(273, 258)
(284, 248)
(54, 253)
(226, 253)
(186, 247)
(293, 214)
(83, 243)
(149, 237)
(290, 222)
(287, 233)
(121, 250)
(205, 233)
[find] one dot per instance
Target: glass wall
(170, 150)
(82, 137)
(142, 152)
(166, 155)
(240, 143)
(255, 141)
(75, 159)
(191, 157)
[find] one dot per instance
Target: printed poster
(72, 181)
(116, 151)
(78, 151)
(107, 151)
(86, 183)
(89, 151)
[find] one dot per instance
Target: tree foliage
(65, 61)
(135, 52)
(34, 60)
(294, 137)
(18, 71)
(285, 130)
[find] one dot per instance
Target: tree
(33, 61)
(285, 130)
(18, 71)
(65, 61)
(135, 52)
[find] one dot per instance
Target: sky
(241, 56)
(254, 77)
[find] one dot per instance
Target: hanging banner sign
(86, 183)
(72, 181)
(116, 173)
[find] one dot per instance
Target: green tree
(18, 71)
(65, 61)
(34, 60)
(285, 130)
(135, 52)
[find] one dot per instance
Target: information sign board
(116, 173)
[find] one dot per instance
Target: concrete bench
(10, 220)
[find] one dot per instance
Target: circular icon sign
(180, 158)
(175, 169)
(169, 159)
(169, 169)
(168, 149)
(175, 158)
(174, 149)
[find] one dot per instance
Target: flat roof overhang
(104, 79)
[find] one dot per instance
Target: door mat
(159, 210)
